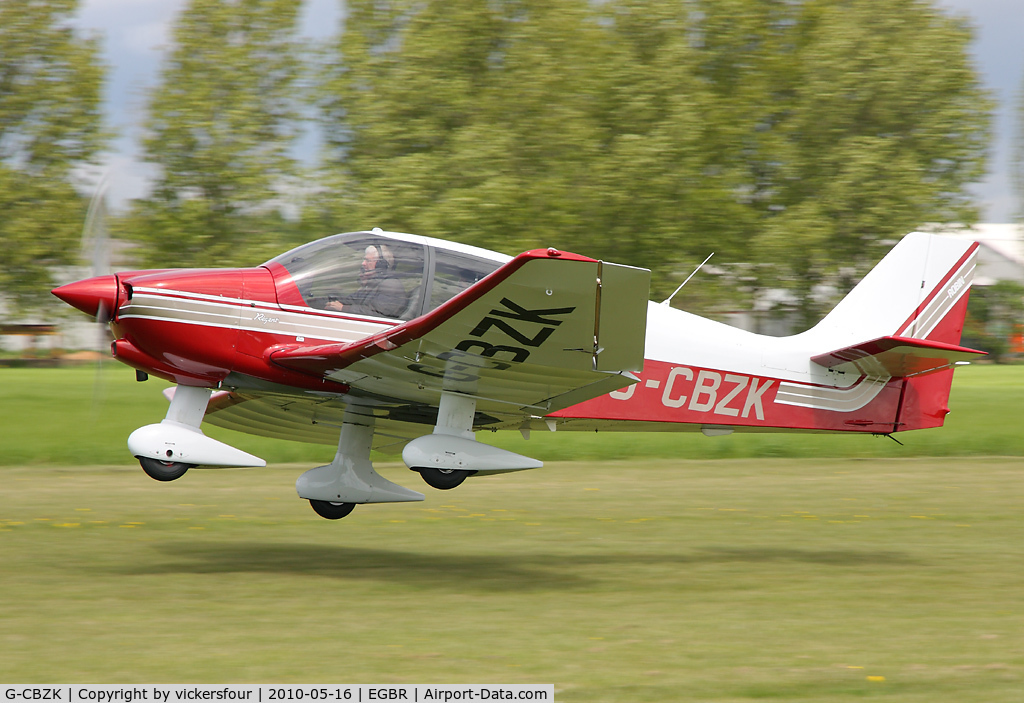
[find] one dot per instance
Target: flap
(547, 329)
(896, 357)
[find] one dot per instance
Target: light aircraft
(398, 342)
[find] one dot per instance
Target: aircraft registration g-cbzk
(398, 342)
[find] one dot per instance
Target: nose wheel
(163, 470)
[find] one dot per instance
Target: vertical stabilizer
(919, 290)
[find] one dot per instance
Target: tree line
(797, 139)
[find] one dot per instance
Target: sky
(998, 50)
(135, 33)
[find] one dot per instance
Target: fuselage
(220, 327)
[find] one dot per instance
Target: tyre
(444, 479)
(163, 470)
(331, 511)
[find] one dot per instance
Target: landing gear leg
(168, 449)
(455, 413)
(334, 490)
(187, 408)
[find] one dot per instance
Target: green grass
(53, 416)
(736, 580)
(652, 575)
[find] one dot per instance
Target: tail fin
(919, 290)
(904, 320)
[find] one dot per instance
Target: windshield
(369, 273)
(359, 273)
(454, 272)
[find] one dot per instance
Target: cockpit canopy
(379, 274)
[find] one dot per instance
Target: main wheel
(444, 479)
(331, 511)
(163, 470)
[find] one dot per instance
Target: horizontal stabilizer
(896, 357)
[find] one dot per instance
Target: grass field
(891, 573)
(54, 416)
(734, 580)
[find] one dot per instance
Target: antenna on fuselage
(668, 300)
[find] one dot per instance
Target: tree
(800, 134)
(883, 124)
(520, 124)
(50, 125)
(220, 128)
(995, 317)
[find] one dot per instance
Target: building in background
(1001, 255)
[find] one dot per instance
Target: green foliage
(514, 125)
(220, 124)
(884, 124)
(50, 125)
(801, 135)
(40, 226)
(50, 83)
(995, 314)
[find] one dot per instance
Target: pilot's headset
(384, 261)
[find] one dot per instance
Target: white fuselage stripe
(934, 312)
(834, 399)
(213, 311)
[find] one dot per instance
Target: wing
(545, 331)
(314, 420)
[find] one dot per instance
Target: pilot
(379, 294)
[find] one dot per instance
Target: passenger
(379, 294)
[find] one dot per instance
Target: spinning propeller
(96, 296)
(96, 242)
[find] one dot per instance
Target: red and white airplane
(398, 342)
